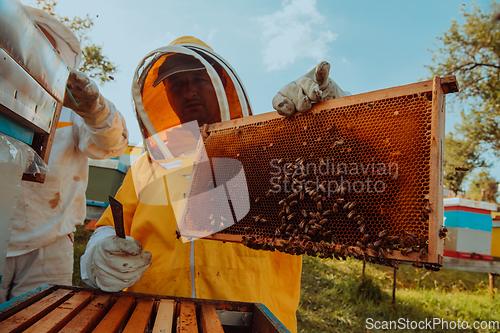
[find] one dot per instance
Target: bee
(281, 213)
(366, 238)
(237, 133)
(406, 251)
(340, 201)
(331, 129)
(360, 245)
(257, 200)
(291, 216)
(323, 221)
(394, 263)
(318, 206)
(377, 243)
(362, 229)
(312, 214)
(409, 235)
(257, 218)
(335, 208)
(327, 234)
(461, 169)
(423, 252)
(396, 175)
(346, 206)
(351, 214)
(322, 187)
(304, 213)
(393, 239)
(302, 224)
(443, 232)
(342, 190)
(292, 196)
(283, 219)
(388, 250)
(277, 233)
(301, 197)
(248, 230)
(293, 203)
(338, 143)
(383, 233)
(280, 161)
(287, 209)
(263, 220)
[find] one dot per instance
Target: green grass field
(336, 297)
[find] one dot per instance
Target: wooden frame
(437, 89)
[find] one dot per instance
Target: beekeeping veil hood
(156, 117)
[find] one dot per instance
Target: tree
(471, 52)
(484, 181)
(459, 153)
(94, 63)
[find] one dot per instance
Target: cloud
(292, 33)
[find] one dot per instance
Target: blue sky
(370, 44)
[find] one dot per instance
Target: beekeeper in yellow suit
(174, 86)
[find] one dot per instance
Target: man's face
(193, 97)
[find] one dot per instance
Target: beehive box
(32, 82)
(367, 174)
(53, 308)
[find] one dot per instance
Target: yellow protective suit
(203, 268)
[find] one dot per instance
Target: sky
(370, 45)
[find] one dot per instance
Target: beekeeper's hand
(84, 98)
(315, 86)
(116, 263)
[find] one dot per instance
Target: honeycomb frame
(400, 128)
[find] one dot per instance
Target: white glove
(114, 263)
(84, 98)
(315, 86)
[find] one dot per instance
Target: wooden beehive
(32, 82)
(391, 138)
(53, 308)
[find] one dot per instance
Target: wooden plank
(436, 245)
(15, 305)
(187, 319)
(209, 319)
(414, 88)
(264, 321)
(140, 318)
(117, 316)
(164, 316)
(88, 318)
(27, 317)
(56, 319)
(471, 265)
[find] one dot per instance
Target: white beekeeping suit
(40, 249)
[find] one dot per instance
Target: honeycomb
(353, 180)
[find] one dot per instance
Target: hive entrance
(354, 177)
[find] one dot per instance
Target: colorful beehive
(495, 235)
(469, 224)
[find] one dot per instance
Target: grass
(337, 297)
(81, 238)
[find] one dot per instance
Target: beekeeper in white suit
(40, 249)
